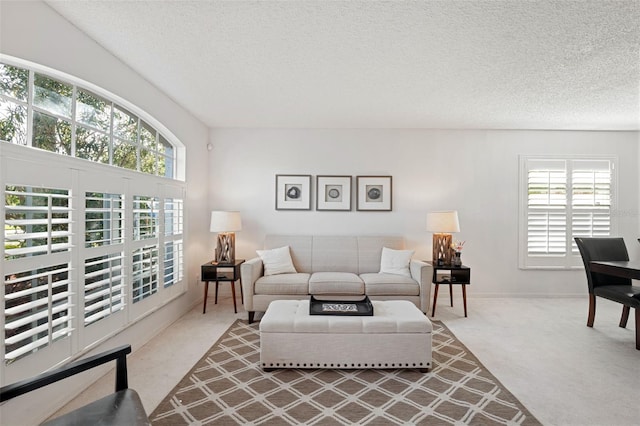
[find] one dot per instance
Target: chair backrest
(605, 249)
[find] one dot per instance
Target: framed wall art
(373, 193)
(333, 193)
(293, 192)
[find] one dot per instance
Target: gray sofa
(334, 267)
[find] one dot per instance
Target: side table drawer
(452, 276)
(220, 272)
(461, 276)
(208, 272)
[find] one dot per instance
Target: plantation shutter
(546, 207)
(144, 274)
(564, 198)
(145, 259)
(104, 219)
(104, 288)
(173, 245)
(104, 291)
(37, 299)
(591, 199)
(145, 217)
(37, 221)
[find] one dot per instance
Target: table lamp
(225, 224)
(442, 224)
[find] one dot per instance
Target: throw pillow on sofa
(277, 261)
(395, 261)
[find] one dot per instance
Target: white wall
(32, 31)
(474, 172)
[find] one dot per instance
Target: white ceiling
(487, 64)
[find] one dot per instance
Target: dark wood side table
(226, 272)
(448, 274)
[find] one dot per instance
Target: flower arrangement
(457, 246)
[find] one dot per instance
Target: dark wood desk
(226, 272)
(460, 275)
(630, 269)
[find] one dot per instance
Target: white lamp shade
(222, 221)
(443, 221)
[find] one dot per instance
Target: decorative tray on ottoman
(346, 307)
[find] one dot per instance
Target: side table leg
(464, 299)
(233, 294)
(451, 294)
(216, 300)
(206, 292)
(435, 297)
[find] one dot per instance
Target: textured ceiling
(373, 64)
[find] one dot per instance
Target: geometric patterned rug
(228, 387)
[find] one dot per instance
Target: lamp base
(226, 247)
(442, 249)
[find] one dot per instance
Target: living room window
(84, 256)
(58, 114)
(93, 218)
(562, 198)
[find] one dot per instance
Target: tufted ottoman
(398, 335)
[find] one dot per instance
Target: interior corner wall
(474, 172)
(33, 31)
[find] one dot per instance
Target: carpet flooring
(227, 387)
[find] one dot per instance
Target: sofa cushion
(390, 285)
(277, 261)
(395, 261)
(297, 283)
(335, 283)
(370, 250)
(300, 247)
(338, 254)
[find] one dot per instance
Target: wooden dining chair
(617, 289)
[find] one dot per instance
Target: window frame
(177, 168)
(570, 258)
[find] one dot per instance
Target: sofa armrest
(250, 271)
(422, 272)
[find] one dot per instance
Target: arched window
(56, 114)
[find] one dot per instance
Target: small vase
(456, 260)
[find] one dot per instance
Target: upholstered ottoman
(398, 335)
